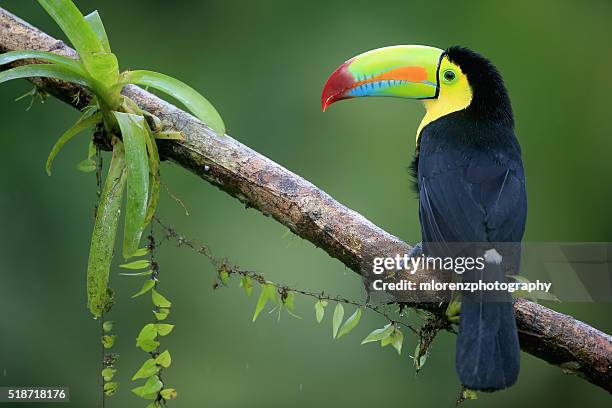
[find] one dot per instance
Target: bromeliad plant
(131, 131)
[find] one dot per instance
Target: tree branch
(312, 214)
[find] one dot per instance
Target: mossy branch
(312, 214)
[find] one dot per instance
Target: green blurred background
(263, 64)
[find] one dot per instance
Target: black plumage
(471, 184)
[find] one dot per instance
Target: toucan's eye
(449, 75)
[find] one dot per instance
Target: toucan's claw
(416, 250)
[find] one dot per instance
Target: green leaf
(379, 334)
(110, 388)
(159, 300)
(148, 369)
(81, 125)
(108, 373)
(397, 339)
(139, 264)
(76, 28)
(148, 332)
(350, 323)
(164, 359)
(154, 177)
(196, 103)
(164, 329)
(247, 285)
(143, 273)
(320, 309)
(261, 302)
(224, 276)
(61, 61)
(148, 285)
(107, 326)
(168, 393)
(148, 345)
(95, 22)
(104, 232)
(290, 301)
(470, 394)
(169, 135)
(91, 149)
(268, 292)
(108, 340)
(86, 166)
(140, 391)
(153, 385)
(141, 251)
(134, 135)
(337, 319)
(162, 314)
(146, 338)
(419, 360)
(43, 71)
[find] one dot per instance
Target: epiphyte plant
(131, 131)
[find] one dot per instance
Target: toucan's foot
(417, 250)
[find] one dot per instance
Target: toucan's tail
(488, 353)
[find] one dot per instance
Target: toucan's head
(457, 79)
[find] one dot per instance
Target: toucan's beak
(404, 71)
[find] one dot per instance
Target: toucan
(470, 181)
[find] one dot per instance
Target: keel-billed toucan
(469, 176)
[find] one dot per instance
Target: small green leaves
(247, 285)
(159, 300)
(150, 389)
(196, 103)
(420, 357)
(337, 319)
(137, 166)
(108, 373)
(77, 128)
(139, 264)
(164, 329)
(110, 388)
(268, 292)
(162, 313)
(350, 323)
(107, 326)
(146, 338)
(320, 306)
(469, 394)
(168, 393)
(224, 276)
(108, 340)
(289, 302)
(397, 339)
(148, 369)
(153, 385)
(379, 334)
(148, 285)
(164, 359)
(389, 334)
